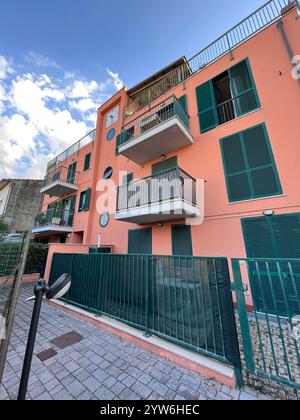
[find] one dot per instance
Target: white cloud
(118, 83)
(82, 89)
(5, 68)
(41, 121)
(40, 60)
(84, 105)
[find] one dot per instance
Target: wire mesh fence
(13, 258)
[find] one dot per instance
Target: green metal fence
(270, 319)
(186, 300)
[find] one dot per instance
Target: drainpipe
(287, 43)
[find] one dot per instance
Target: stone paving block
(101, 366)
(104, 394)
(188, 393)
(158, 387)
(128, 395)
(76, 388)
(142, 390)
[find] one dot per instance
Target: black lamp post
(56, 291)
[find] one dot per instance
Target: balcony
(60, 182)
(169, 195)
(161, 130)
(54, 221)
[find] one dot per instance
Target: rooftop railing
(261, 18)
(89, 138)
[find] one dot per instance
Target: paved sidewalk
(102, 366)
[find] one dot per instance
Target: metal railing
(54, 217)
(270, 325)
(166, 83)
(186, 300)
(89, 138)
(155, 116)
(62, 174)
(226, 111)
(165, 186)
(261, 18)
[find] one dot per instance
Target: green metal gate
(268, 301)
(186, 300)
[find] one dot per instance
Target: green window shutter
(140, 241)
(182, 240)
(274, 237)
(56, 176)
(87, 162)
(258, 238)
(164, 165)
(183, 102)
(86, 204)
(72, 210)
(72, 173)
(207, 111)
(243, 88)
(80, 209)
(286, 230)
(249, 165)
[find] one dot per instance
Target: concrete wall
(23, 204)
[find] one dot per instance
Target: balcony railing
(62, 174)
(165, 186)
(89, 138)
(261, 18)
(54, 218)
(155, 116)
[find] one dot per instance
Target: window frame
(87, 158)
(248, 171)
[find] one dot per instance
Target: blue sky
(60, 60)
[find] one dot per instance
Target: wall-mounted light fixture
(269, 213)
(163, 157)
(160, 224)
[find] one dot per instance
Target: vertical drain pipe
(286, 41)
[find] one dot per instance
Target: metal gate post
(243, 315)
(147, 330)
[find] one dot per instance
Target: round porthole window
(108, 173)
(104, 220)
(111, 134)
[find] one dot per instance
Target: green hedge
(10, 254)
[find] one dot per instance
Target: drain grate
(67, 340)
(46, 355)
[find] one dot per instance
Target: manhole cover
(67, 340)
(46, 355)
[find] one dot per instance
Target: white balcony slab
(50, 229)
(159, 212)
(59, 188)
(163, 139)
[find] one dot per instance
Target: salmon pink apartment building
(229, 117)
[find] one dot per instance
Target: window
(84, 202)
(140, 241)
(108, 173)
(226, 97)
(249, 165)
(182, 240)
(87, 162)
(164, 165)
(72, 173)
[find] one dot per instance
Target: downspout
(287, 42)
